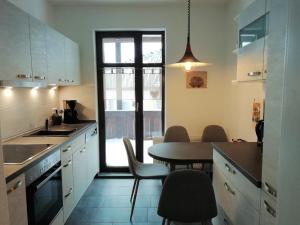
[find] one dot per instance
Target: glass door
(130, 94)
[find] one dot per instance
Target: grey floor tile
(153, 217)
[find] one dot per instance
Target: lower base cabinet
(59, 219)
(16, 196)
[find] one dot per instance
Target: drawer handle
(229, 189)
(70, 192)
(68, 164)
(67, 149)
(15, 187)
(83, 150)
(94, 133)
(229, 169)
(24, 76)
(254, 74)
(270, 189)
(269, 209)
(39, 77)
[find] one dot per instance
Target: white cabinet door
(80, 173)
(72, 62)
(17, 206)
(38, 49)
(4, 216)
(93, 153)
(15, 57)
(68, 187)
(55, 57)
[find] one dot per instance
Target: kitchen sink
(57, 133)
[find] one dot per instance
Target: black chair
(142, 171)
(214, 133)
(176, 134)
(187, 197)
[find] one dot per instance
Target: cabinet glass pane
(253, 31)
(152, 48)
(118, 50)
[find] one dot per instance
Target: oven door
(44, 197)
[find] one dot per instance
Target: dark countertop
(12, 171)
(245, 156)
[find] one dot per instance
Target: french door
(130, 78)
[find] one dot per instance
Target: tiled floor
(106, 202)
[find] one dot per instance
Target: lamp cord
(189, 20)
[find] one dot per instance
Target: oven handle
(47, 179)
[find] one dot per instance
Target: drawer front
(78, 142)
(66, 151)
(248, 189)
(16, 196)
(268, 210)
(235, 205)
(269, 180)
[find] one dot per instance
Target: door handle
(137, 106)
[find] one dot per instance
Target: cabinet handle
(229, 169)
(70, 192)
(269, 209)
(228, 188)
(15, 187)
(39, 77)
(254, 74)
(73, 81)
(94, 133)
(270, 189)
(24, 76)
(68, 164)
(83, 150)
(67, 149)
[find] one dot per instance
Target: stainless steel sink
(55, 133)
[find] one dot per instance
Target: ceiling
(67, 2)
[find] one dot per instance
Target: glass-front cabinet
(252, 42)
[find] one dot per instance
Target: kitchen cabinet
(59, 219)
(56, 57)
(72, 62)
(14, 43)
(68, 187)
(80, 172)
(93, 152)
(38, 50)
(4, 216)
(253, 31)
(237, 198)
(17, 206)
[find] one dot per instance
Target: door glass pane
(118, 50)
(119, 98)
(152, 105)
(152, 48)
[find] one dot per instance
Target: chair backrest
(176, 134)
(132, 161)
(214, 133)
(187, 196)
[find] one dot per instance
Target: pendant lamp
(188, 60)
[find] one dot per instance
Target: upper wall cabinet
(38, 49)
(33, 52)
(14, 43)
(251, 52)
(72, 62)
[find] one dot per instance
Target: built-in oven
(44, 190)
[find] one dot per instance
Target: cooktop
(20, 154)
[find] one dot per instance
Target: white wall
(191, 108)
(40, 9)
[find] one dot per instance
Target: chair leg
(133, 189)
(163, 221)
(134, 198)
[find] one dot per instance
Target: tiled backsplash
(25, 109)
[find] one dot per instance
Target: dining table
(182, 153)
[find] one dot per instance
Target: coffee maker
(70, 114)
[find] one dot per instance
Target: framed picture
(196, 79)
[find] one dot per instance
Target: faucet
(46, 124)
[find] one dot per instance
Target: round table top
(182, 152)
